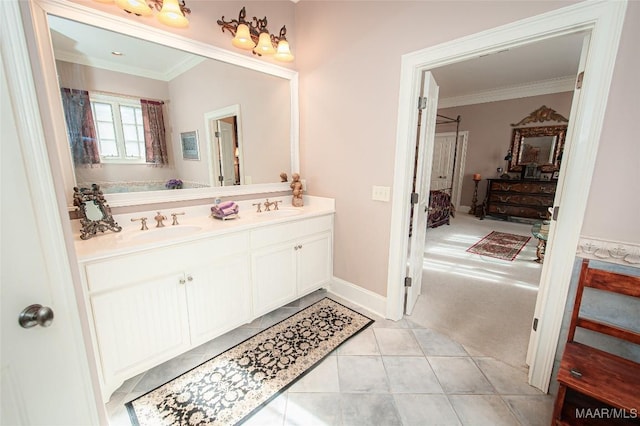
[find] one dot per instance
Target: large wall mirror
(540, 146)
(230, 122)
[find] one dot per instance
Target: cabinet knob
(189, 278)
(182, 281)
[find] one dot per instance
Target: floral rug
(231, 386)
(500, 245)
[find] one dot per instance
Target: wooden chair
(598, 387)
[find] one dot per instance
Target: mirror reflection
(128, 104)
(537, 146)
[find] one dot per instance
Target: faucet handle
(143, 220)
(275, 203)
(175, 218)
(257, 204)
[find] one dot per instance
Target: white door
(444, 149)
(423, 172)
(227, 152)
(543, 288)
(44, 372)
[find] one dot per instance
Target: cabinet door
(218, 297)
(140, 325)
(315, 266)
(274, 277)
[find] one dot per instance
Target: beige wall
(349, 106)
(490, 131)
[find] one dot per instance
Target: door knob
(36, 315)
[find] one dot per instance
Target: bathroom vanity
(152, 295)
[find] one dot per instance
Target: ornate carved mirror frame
(541, 146)
(95, 213)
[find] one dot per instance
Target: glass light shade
(264, 46)
(242, 40)
(283, 53)
(172, 15)
(139, 7)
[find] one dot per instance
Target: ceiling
(547, 66)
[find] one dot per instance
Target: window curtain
(154, 133)
(80, 127)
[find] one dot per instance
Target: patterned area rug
(500, 245)
(231, 386)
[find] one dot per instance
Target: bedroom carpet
(483, 303)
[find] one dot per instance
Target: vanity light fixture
(253, 35)
(170, 12)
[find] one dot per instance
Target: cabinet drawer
(520, 211)
(290, 231)
(529, 200)
(535, 187)
(110, 273)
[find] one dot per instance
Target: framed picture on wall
(531, 171)
(190, 150)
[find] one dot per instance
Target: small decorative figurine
(296, 186)
(283, 177)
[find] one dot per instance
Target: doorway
(607, 18)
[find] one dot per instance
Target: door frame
(604, 20)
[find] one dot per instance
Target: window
(119, 129)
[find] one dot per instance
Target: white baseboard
(359, 296)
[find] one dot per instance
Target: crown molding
(169, 75)
(536, 88)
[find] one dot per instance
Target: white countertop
(195, 224)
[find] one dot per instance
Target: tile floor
(393, 373)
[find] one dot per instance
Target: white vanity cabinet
(290, 260)
(150, 306)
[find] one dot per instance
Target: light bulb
(265, 47)
(283, 53)
(139, 7)
(243, 39)
(172, 15)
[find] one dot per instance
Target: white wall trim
(535, 88)
(360, 296)
(609, 250)
(604, 19)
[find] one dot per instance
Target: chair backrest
(607, 281)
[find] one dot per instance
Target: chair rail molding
(610, 251)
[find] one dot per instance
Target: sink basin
(164, 233)
(280, 213)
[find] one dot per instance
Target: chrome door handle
(36, 315)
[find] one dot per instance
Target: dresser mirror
(540, 147)
(191, 79)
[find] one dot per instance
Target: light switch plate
(381, 193)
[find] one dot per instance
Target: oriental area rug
(500, 245)
(233, 385)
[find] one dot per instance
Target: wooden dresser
(519, 198)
